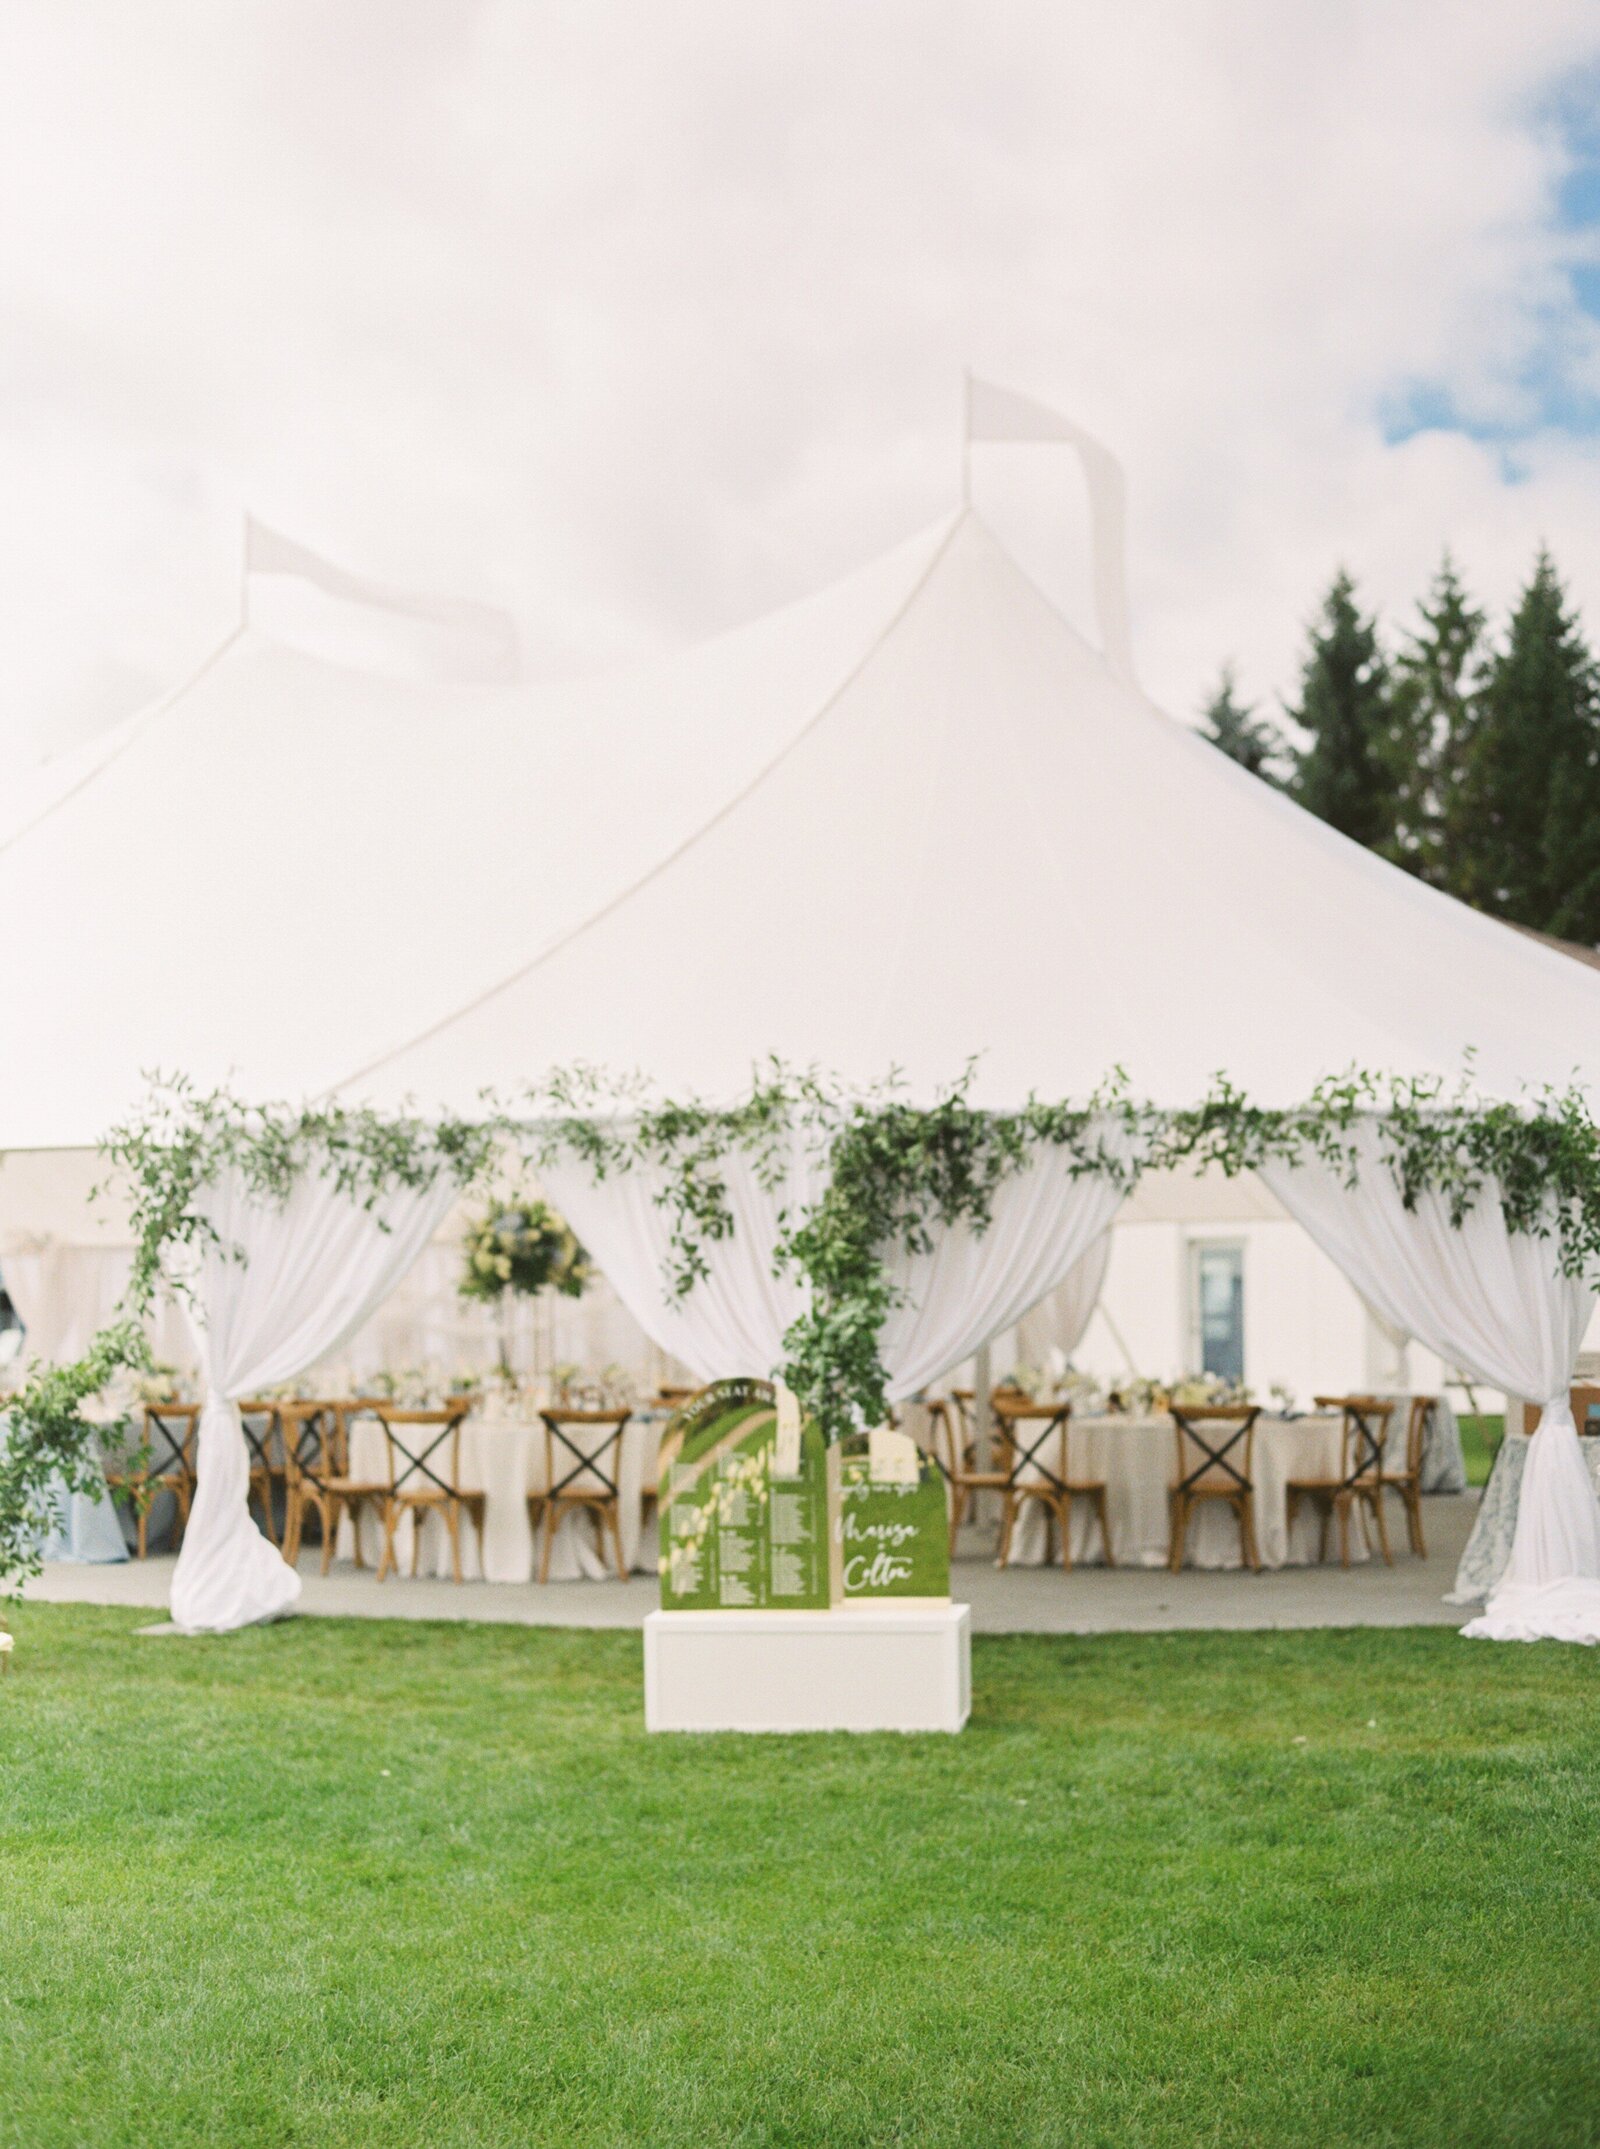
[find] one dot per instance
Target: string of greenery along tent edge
(896, 1171)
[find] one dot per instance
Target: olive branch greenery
(896, 1173)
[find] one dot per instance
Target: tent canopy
(986, 843)
(292, 866)
(913, 819)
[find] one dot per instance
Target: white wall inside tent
(428, 1327)
(65, 1257)
(1304, 1328)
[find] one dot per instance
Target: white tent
(983, 842)
(912, 820)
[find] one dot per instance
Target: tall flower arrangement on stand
(517, 1248)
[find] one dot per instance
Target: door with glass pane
(1217, 1288)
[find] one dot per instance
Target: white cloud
(642, 318)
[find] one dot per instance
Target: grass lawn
(377, 1883)
(1480, 1443)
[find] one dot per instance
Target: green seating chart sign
(894, 1531)
(735, 1534)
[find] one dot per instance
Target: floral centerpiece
(523, 1247)
(1195, 1391)
(516, 1248)
(159, 1384)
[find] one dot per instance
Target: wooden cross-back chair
(955, 1450)
(261, 1424)
(1037, 1439)
(337, 1489)
(1364, 1436)
(165, 1463)
(314, 1454)
(582, 1471)
(1215, 1461)
(424, 1452)
(1405, 1476)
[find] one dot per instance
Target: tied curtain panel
(1494, 1302)
(733, 1321)
(283, 1285)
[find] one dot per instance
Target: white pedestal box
(888, 1667)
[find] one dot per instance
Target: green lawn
(1480, 1443)
(378, 1883)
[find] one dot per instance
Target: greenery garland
(896, 1172)
(164, 1157)
(1542, 1153)
(610, 1126)
(48, 1443)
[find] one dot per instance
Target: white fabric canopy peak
(911, 819)
(291, 866)
(985, 843)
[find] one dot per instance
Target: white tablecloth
(505, 1460)
(87, 1527)
(1488, 1549)
(1137, 1459)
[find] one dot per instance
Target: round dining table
(1136, 1457)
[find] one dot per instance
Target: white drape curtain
(426, 1325)
(733, 1321)
(1060, 1321)
(63, 1293)
(971, 1287)
(311, 1271)
(1495, 1303)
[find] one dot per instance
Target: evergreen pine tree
(1243, 736)
(1343, 774)
(1529, 797)
(1433, 708)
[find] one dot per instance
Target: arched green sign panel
(740, 1532)
(735, 1534)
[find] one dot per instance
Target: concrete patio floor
(1022, 1600)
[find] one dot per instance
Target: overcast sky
(640, 319)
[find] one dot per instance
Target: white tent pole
(982, 1408)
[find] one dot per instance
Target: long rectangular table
(504, 1459)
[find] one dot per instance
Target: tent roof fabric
(288, 869)
(986, 844)
(908, 821)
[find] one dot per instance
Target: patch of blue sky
(1550, 398)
